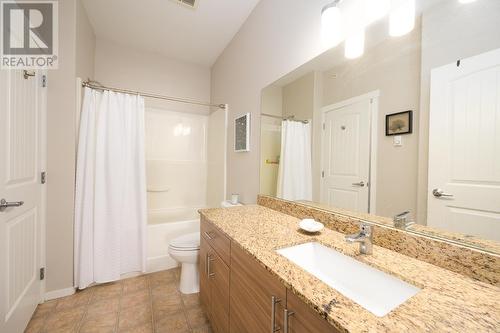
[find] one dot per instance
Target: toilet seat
(189, 242)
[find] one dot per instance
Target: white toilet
(185, 249)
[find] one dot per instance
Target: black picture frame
(402, 116)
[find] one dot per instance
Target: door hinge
(44, 81)
(43, 177)
(322, 174)
(42, 273)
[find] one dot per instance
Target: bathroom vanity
(247, 286)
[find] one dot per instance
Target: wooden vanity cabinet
(303, 319)
(214, 287)
(251, 296)
(238, 293)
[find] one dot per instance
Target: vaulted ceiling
(163, 26)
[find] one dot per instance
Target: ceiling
(163, 26)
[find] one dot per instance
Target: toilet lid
(189, 241)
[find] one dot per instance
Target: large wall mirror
(406, 128)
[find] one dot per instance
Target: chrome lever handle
(4, 204)
(360, 184)
(209, 270)
(274, 300)
(438, 193)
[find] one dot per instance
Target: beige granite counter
(448, 302)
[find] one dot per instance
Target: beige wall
(451, 31)
(393, 68)
(260, 53)
(272, 101)
(76, 42)
(134, 69)
(298, 98)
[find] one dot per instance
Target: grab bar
(158, 190)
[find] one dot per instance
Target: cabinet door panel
(304, 319)
(252, 288)
(219, 287)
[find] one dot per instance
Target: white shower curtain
(295, 171)
(110, 199)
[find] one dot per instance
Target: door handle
(274, 300)
(360, 184)
(4, 204)
(438, 193)
(287, 314)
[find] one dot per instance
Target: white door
(346, 155)
(464, 147)
(21, 118)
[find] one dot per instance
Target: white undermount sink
(374, 290)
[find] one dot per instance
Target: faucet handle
(366, 229)
(402, 220)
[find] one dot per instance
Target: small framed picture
(399, 123)
(242, 133)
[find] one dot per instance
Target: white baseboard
(58, 293)
(160, 263)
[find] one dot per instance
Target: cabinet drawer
(303, 319)
(217, 240)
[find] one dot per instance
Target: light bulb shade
(355, 44)
(331, 25)
(402, 17)
(376, 9)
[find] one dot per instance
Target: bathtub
(163, 226)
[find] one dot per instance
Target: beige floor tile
(175, 323)
(108, 290)
(141, 297)
(135, 316)
(162, 278)
(75, 300)
(196, 317)
(97, 323)
(45, 308)
(104, 306)
(167, 304)
(191, 300)
(165, 290)
(145, 328)
(133, 285)
(64, 320)
(35, 325)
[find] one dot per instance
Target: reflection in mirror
(409, 130)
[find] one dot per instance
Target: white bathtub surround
(295, 169)
(110, 201)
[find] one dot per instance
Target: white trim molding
(50, 295)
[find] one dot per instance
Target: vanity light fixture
(331, 23)
(376, 9)
(355, 44)
(401, 17)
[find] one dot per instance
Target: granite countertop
(448, 302)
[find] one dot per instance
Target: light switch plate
(397, 141)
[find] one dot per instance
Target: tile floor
(148, 303)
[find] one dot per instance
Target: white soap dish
(310, 225)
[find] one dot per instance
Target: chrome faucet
(364, 237)
(402, 220)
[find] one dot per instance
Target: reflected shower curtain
(295, 170)
(110, 198)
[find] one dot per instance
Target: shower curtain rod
(292, 118)
(96, 85)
